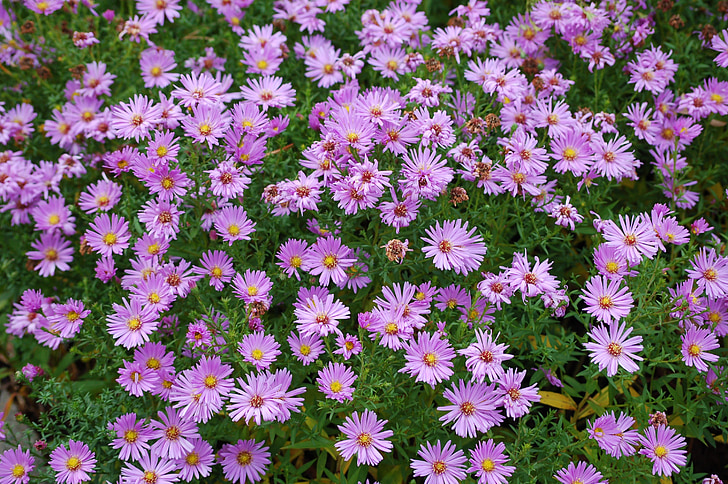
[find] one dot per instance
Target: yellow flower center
(73, 463)
(110, 238)
(244, 458)
(54, 219)
(660, 451)
(156, 71)
(296, 261)
(192, 458)
(487, 465)
(18, 471)
(131, 436)
(336, 386)
(257, 354)
(694, 350)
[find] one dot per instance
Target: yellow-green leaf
(557, 400)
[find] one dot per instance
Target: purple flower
(613, 349)
(365, 437)
(269, 91)
(306, 347)
(452, 246)
(259, 349)
(485, 357)
(474, 408)
(134, 120)
(245, 461)
(131, 437)
(440, 464)
(606, 300)
(487, 461)
(581, 473)
(232, 223)
(516, 399)
(329, 260)
(108, 235)
(695, 343)
(335, 381)
(664, 448)
(73, 464)
(174, 434)
(293, 256)
(132, 324)
(711, 272)
(429, 359)
(154, 468)
(425, 174)
(15, 465)
(634, 238)
(320, 315)
(218, 265)
(53, 252)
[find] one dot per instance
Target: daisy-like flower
(259, 349)
(73, 464)
(487, 461)
(227, 181)
(329, 259)
(440, 464)
(258, 399)
(485, 357)
(634, 238)
(245, 461)
(232, 223)
(613, 348)
(208, 123)
(666, 449)
(269, 92)
(161, 218)
(133, 323)
(474, 408)
(154, 469)
(516, 399)
(581, 473)
(425, 174)
(605, 300)
(134, 120)
(348, 345)
(131, 437)
(195, 90)
(365, 437)
(100, 196)
(454, 247)
(695, 343)
(429, 359)
(320, 315)
(711, 272)
(174, 434)
(198, 462)
(136, 378)
(293, 256)
(335, 381)
(15, 465)
(218, 265)
(108, 235)
(52, 251)
(156, 65)
(306, 348)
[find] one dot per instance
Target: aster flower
(666, 449)
(153, 468)
(247, 460)
(218, 265)
(429, 359)
(320, 315)
(335, 381)
(198, 462)
(174, 434)
(259, 349)
(134, 120)
(425, 174)
(293, 256)
(516, 399)
(136, 378)
(198, 89)
(73, 464)
(695, 343)
(232, 223)
(365, 437)
(208, 123)
(634, 238)
(131, 437)
(15, 465)
(227, 181)
(711, 272)
(473, 408)
(581, 473)
(108, 235)
(348, 345)
(306, 347)
(613, 348)
(440, 464)
(100, 196)
(485, 357)
(269, 91)
(605, 300)
(487, 461)
(258, 399)
(52, 251)
(329, 259)
(454, 247)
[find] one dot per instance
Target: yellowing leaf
(557, 400)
